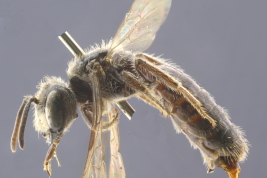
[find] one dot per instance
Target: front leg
(50, 153)
(95, 165)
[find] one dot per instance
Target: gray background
(222, 44)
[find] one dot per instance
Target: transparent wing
(140, 25)
(116, 169)
(95, 166)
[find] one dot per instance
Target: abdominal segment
(221, 146)
(224, 140)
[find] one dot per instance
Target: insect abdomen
(218, 143)
(225, 139)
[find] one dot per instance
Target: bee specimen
(114, 72)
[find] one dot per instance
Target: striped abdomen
(218, 144)
(225, 139)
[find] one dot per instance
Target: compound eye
(55, 110)
(60, 110)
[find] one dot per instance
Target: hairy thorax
(113, 87)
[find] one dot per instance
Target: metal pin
(77, 51)
(69, 42)
(126, 108)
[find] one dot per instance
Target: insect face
(55, 109)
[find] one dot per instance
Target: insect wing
(95, 166)
(116, 169)
(140, 25)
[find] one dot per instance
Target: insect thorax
(112, 86)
